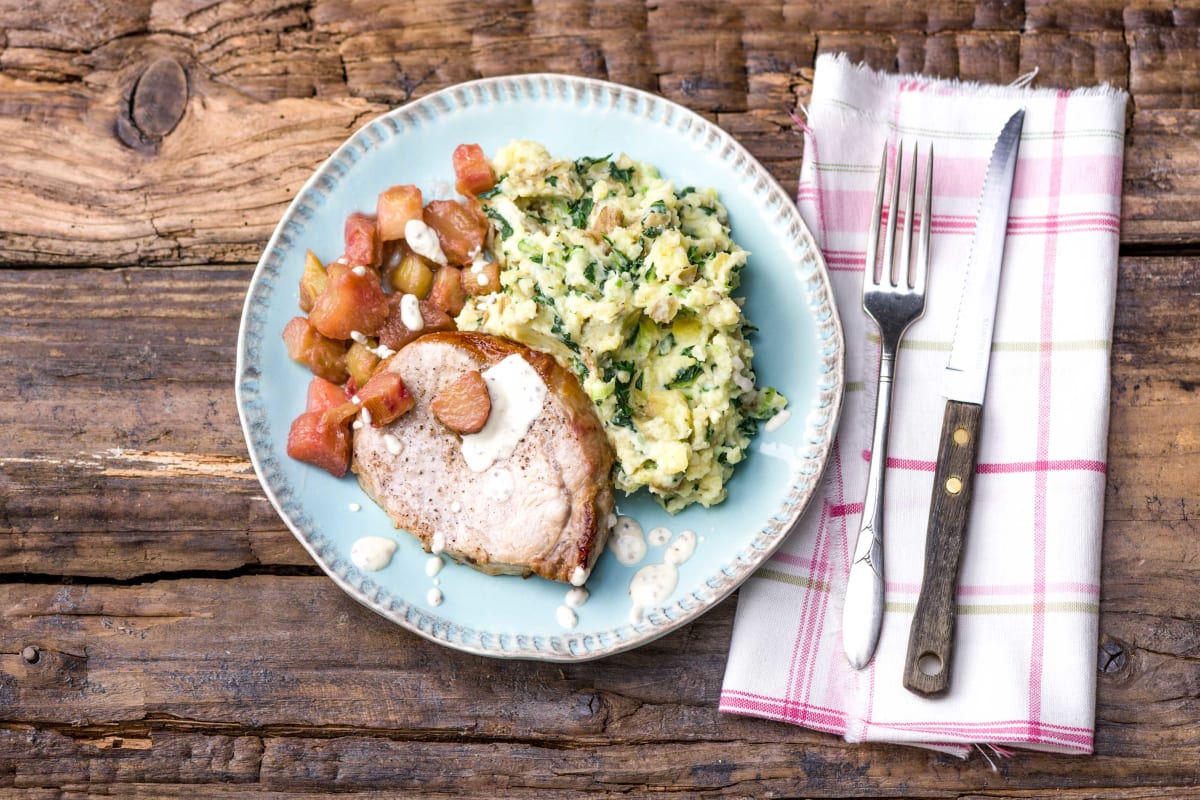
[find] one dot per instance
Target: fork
(894, 297)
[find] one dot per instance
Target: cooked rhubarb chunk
(353, 301)
(394, 208)
(412, 275)
(447, 290)
(460, 230)
(314, 440)
(323, 356)
(323, 395)
(385, 398)
(362, 240)
(465, 405)
(361, 363)
(483, 279)
(342, 414)
(473, 174)
(396, 332)
(312, 282)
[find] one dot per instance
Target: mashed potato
(628, 282)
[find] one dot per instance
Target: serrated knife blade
(928, 664)
(965, 378)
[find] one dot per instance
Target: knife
(931, 638)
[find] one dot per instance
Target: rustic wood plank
(1080, 16)
(271, 92)
(176, 664)
(868, 16)
(1162, 43)
(123, 455)
(1153, 449)
(169, 764)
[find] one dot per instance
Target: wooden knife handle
(931, 638)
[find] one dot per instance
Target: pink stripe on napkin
(1024, 673)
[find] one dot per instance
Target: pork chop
(542, 509)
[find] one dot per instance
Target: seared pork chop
(543, 509)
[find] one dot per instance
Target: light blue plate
(799, 351)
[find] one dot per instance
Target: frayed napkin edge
(891, 81)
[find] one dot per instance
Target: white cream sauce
(626, 541)
(434, 596)
(776, 422)
(566, 617)
(681, 549)
(433, 565)
(576, 597)
(424, 241)
(392, 443)
(579, 576)
(437, 543)
(372, 553)
(659, 536)
(652, 584)
(517, 393)
(410, 313)
(383, 351)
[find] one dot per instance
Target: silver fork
(893, 296)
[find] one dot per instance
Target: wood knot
(588, 704)
(30, 654)
(1112, 656)
(154, 105)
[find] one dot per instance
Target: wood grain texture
(129, 687)
(929, 664)
(270, 91)
(162, 634)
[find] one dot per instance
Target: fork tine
(904, 274)
(870, 270)
(889, 242)
(922, 268)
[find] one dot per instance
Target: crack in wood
(246, 571)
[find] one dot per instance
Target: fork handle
(862, 614)
(931, 638)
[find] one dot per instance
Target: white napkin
(1025, 664)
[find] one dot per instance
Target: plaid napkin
(1025, 663)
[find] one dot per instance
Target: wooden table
(163, 634)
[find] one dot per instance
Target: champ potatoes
(629, 282)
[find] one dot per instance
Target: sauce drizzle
(518, 394)
(653, 584)
(566, 617)
(776, 422)
(423, 241)
(372, 553)
(627, 542)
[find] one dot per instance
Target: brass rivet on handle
(961, 436)
(954, 484)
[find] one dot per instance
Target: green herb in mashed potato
(629, 283)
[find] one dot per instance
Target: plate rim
(821, 419)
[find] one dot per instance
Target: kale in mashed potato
(629, 282)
